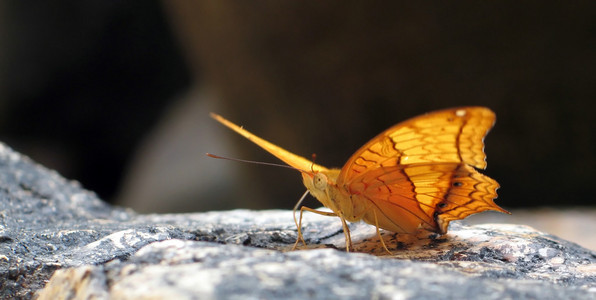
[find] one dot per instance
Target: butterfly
(420, 174)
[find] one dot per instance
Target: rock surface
(50, 226)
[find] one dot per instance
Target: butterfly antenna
(253, 162)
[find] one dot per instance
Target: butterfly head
(320, 184)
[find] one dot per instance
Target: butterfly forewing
(452, 135)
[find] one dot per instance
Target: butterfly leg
(379, 233)
(370, 207)
(346, 233)
(299, 224)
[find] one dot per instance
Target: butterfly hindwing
(429, 196)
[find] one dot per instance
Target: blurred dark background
(116, 94)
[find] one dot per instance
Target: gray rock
(50, 226)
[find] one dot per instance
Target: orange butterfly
(418, 174)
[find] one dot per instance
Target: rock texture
(50, 227)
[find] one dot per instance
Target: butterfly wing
(451, 135)
(418, 173)
(427, 195)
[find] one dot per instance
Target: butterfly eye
(320, 181)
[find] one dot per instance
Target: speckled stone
(177, 269)
(52, 228)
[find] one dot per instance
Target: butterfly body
(418, 174)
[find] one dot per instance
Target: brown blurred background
(117, 94)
